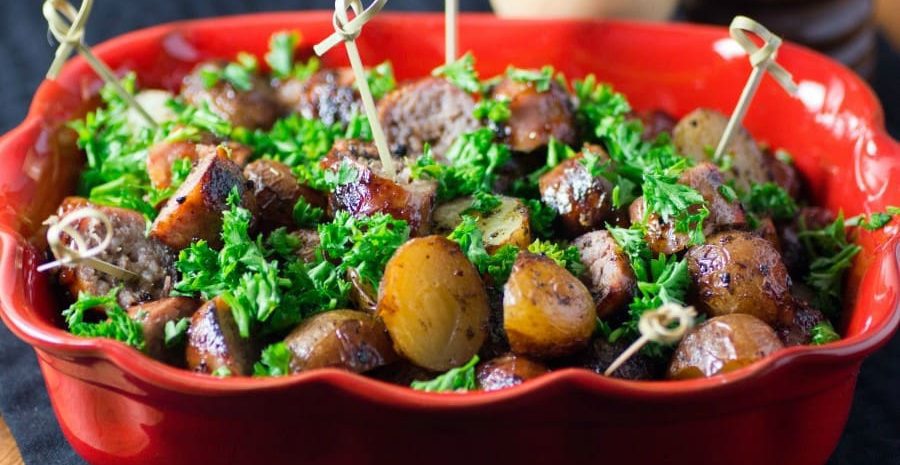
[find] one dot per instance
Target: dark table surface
(872, 435)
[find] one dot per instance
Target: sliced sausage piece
(697, 135)
(661, 236)
(784, 174)
(584, 202)
(738, 272)
(722, 344)
(724, 213)
(794, 252)
(329, 95)
(214, 342)
(656, 122)
(535, 116)
(601, 353)
(428, 111)
(130, 248)
(277, 190)
(194, 212)
(507, 371)
(162, 155)
(346, 339)
(309, 242)
(153, 317)
(795, 327)
(371, 192)
(609, 276)
(252, 109)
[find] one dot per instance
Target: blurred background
(862, 34)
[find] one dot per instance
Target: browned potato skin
(536, 116)
(583, 202)
(722, 344)
(434, 304)
(130, 248)
(609, 276)
(346, 339)
(703, 128)
(547, 312)
(328, 95)
(277, 190)
(371, 192)
(362, 293)
(509, 224)
(507, 371)
(162, 155)
(153, 317)
(214, 341)
(253, 109)
(195, 210)
(426, 111)
(738, 272)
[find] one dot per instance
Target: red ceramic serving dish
(118, 407)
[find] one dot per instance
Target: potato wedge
(348, 339)
(433, 303)
(723, 344)
(547, 312)
(509, 224)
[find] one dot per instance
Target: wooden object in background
(9, 452)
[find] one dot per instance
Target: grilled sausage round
(609, 276)
(328, 95)
(583, 201)
(153, 317)
(277, 191)
(215, 343)
(535, 117)
(507, 371)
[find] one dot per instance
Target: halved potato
(547, 312)
(348, 339)
(509, 224)
(433, 303)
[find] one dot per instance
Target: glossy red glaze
(119, 407)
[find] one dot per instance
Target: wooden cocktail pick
(762, 60)
(82, 252)
(451, 14)
(665, 325)
(347, 31)
(67, 25)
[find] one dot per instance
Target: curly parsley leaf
(495, 110)
(458, 379)
(541, 79)
(175, 332)
(305, 214)
(461, 73)
(541, 216)
(483, 203)
(118, 324)
(770, 199)
(832, 255)
(275, 361)
(566, 257)
(823, 333)
(282, 48)
(365, 244)
(471, 241)
(381, 79)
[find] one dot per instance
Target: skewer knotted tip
(346, 30)
(67, 25)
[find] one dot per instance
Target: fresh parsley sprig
(117, 325)
(459, 379)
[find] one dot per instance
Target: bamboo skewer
(67, 26)
(762, 60)
(347, 31)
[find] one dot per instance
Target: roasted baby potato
(722, 344)
(214, 344)
(738, 272)
(509, 224)
(700, 131)
(583, 201)
(434, 304)
(507, 371)
(547, 312)
(346, 339)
